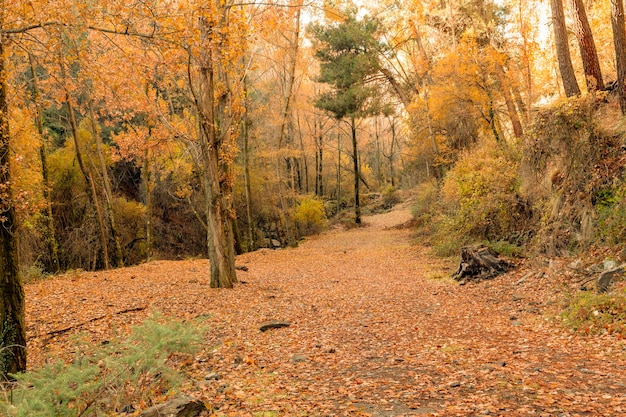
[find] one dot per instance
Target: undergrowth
(591, 313)
(127, 373)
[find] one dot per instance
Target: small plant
(592, 313)
(390, 197)
(130, 372)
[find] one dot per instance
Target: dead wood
(606, 278)
(479, 263)
(179, 407)
(58, 332)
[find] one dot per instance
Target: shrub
(310, 215)
(480, 198)
(592, 313)
(100, 381)
(390, 197)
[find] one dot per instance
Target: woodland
(331, 159)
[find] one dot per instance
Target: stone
(274, 324)
(212, 376)
(298, 358)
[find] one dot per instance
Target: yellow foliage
(480, 194)
(310, 215)
(25, 163)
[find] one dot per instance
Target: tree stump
(606, 278)
(479, 263)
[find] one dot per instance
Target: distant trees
(348, 54)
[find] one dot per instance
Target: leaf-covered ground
(375, 330)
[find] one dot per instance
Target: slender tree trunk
(392, 172)
(357, 175)
(379, 171)
(526, 60)
(619, 39)
(91, 186)
(220, 239)
(50, 234)
(588, 53)
(338, 167)
(304, 166)
(510, 105)
(562, 49)
(12, 326)
(147, 179)
(286, 111)
(108, 195)
(252, 245)
(437, 169)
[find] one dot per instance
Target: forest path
(375, 330)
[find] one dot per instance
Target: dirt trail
(375, 330)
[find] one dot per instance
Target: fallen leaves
(371, 334)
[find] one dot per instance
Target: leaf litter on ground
(373, 330)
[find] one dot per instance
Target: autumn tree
(348, 53)
(588, 53)
(619, 40)
(12, 327)
(562, 49)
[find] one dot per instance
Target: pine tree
(348, 53)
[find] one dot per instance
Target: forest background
(174, 129)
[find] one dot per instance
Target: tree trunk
(108, 195)
(12, 327)
(50, 234)
(216, 169)
(285, 115)
(510, 105)
(147, 179)
(338, 167)
(588, 53)
(562, 50)
(619, 39)
(91, 186)
(252, 245)
(357, 176)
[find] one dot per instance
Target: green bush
(101, 380)
(310, 215)
(592, 313)
(611, 211)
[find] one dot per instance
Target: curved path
(376, 329)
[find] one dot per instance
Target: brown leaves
(372, 334)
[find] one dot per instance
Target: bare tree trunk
(108, 195)
(588, 53)
(147, 179)
(562, 49)
(526, 60)
(252, 245)
(338, 167)
(357, 176)
(12, 326)
(619, 39)
(50, 234)
(510, 105)
(286, 110)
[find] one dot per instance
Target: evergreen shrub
(131, 372)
